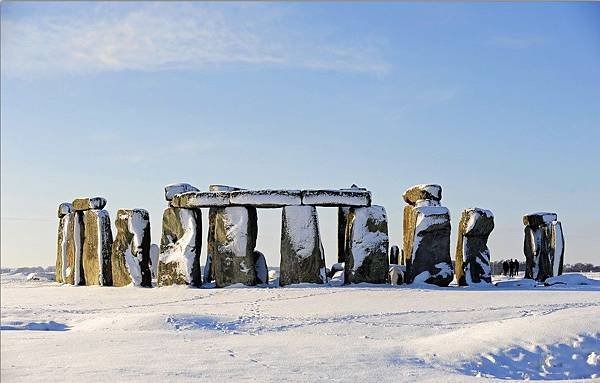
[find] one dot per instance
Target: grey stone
(302, 256)
(131, 249)
(543, 246)
(396, 274)
(61, 250)
(232, 247)
(265, 198)
(538, 219)
(68, 268)
(394, 255)
(422, 192)
(97, 248)
(215, 188)
(154, 254)
(64, 209)
(180, 246)
(472, 264)
(426, 245)
(172, 189)
(341, 235)
(367, 248)
(81, 204)
(260, 268)
(196, 200)
(336, 198)
(557, 249)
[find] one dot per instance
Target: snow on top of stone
(194, 199)
(182, 252)
(420, 192)
(177, 188)
(80, 204)
(266, 198)
(474, 214)
(326, 197)
(236, 225)
(302, 224)
(364, 241)
(428, 216)
(215, 187)
(64, 209)
(536, 219)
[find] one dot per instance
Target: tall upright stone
(180, 246)
(232, 247)
(74, 273)
(394, 255)
(543, 246)
(341, 234)
(260, 268)
(426, 241)
(97, 248)
(65, 212)
(367, 246)
(472, 265)
(302, 256)
(131, 249)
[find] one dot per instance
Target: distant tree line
(575, 268)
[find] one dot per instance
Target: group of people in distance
(510, 267)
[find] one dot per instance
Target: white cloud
(175, 36)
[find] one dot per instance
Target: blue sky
(497, 102)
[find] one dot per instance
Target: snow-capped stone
(178, 188)
(367, 248)
(180, 246)
(342, 239)
(394, 255)
(196, 200)
(337, 279)
(302, 255)
(131, 248)
(97, 248)
(73, 273)
(472, 264)
(336, 198)
(557, 248)
(335, 268)
(68, 266)
(61, 249)
(81, 204)
(265, 198)
(64, 209)
(396, 274)
(538, 219)
(215, 188)
(426, 245)
(232, 245)
(260, 268)
(421, 192)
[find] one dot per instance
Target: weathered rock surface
(394, 255)
(426, 245)
(68, 268)
(265, 198)
(367, 248)
(260, 268)
(538, 219)
(336, 198)
(215, 188)
(81, 204)
(472, 264)
(131, 249)
(64, 209)
(232, 246)
(341, 235)
(414, 194)
(196, 200)
(178, 188)
(76, 247)
(543, 246)
(180, 246)
(61, 250)
(302, 256)
(154, 254)
(396, 274)
(97, 248)
(557, 249)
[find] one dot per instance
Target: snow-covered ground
(361, 333)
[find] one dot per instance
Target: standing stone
(367, 247)
(260, 268)
(543, 246)
(426, 239)
(341, 235)
(97, 248)
(180, 245)
(64, 216)
(68, 268)
(232, 247)
(76, 247)
(131, 249)
(472, 264)
(394, 255)
(154, 254)
(302, 256)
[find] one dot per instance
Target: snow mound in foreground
(572, 280)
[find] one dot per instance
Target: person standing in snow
(505, 267)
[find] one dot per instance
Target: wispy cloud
(176, 36)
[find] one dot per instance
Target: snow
(474, 216)
(136, 223)
(336, 197)
(63, 244)
(571, 280)
(266, 198)
(302, 227)
(558, 246)
(172, 189)
(194, 200)
(184, 250)
(236, 227)
(365, 242)
(363, 333)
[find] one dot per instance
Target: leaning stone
(172, 189)
(472, 264)
(180, 246)
(81, 204)
(61, 251)
(336, 198)
(538, 219)
(64, 209)
(232, 249)
(265, 198)
(302, 256)
(427, 245)
(367, 248)
(260, 268)
(422, 192)
(394, 255)
(97, 248)
(341, 235)
(131, 249)
(196, 200)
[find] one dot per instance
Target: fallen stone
(232, 245)
(427, 245)
(61, 250)
(422, 192)
(196, 200)
(336, 198)
(260, 268)
(538, 219)
(394, 255)
(64, 209)
(302, 256)
(97, 248)
(341, 235)
(180, 246)
(265, 198)
(472, 263)
(131, 249)
(172, 189)
(367, 249)
(81, 204)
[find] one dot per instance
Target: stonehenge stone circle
(131, 249)
(543, 246)
(302, 255)
(426, 239)
(367, 246)
(472, 263)
(65, 215)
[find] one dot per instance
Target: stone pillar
(97, 249)
(302, 256)
(543, 246)
(180, 246)
(426, 241)
(260, 268)
(131, 249)
(394, 255)
(341, 236)
(472, 263)
(367, 247)
(65, 213)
